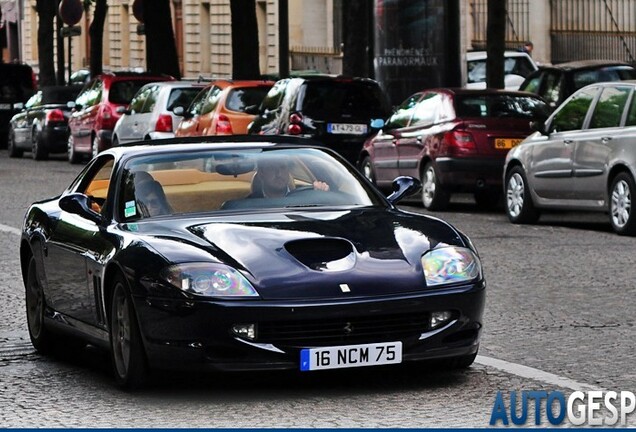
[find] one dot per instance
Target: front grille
(353, 330)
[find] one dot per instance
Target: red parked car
(92, 122)
(454, 140)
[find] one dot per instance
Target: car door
(190, 122)
(21, 123)
(434, 108)
(597, 144)
(551, 165)
(385, 152)
(204, 125)
(72, 244)
(129, 128)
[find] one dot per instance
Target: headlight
(449, 265)
(208, 279)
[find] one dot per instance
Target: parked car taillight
(295, 124)
(458, 143)
(223, 125)
(164, 123)
(55, 115)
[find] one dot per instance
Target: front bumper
(180, 334)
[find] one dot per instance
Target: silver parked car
(583, 157)
(150, 113)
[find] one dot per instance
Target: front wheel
(434, 197)
(73, 156)
(620, 205)
(41, 339)
(366, 168)
(519, 206)
(95, 147)
(126, 347)
(38, 151)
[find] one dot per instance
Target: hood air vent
(323, 254)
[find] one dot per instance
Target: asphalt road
(559, 316)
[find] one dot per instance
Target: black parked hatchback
(339, 112)
(16, 87)
(555, 83)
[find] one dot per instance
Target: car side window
(97, 182)
(82, 98)
(533, 84)
(631, 114)
(94, 96)
(274, 96)
(551, 89)
(572, 115)
(151, 100)
(34, 100)
(212, 100)
(137, 102)
(197, 103)
(427, 110)
(609, 108)
(403, 113)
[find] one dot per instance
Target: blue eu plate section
(304, 360)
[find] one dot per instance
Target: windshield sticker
(130, 209)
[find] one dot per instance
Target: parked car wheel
(115, 141)
(127, 352)
(11, 148)
(621, 209)
(41, 338)
(73, 156)
(38, 151)
(434, 197)
(366, 168)
(95, 147)
(519, 206)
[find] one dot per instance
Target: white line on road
(535, 374)
(502, 365)
(10, 230)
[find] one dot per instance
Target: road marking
(535, 374)
(10, 230)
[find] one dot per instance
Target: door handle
(419, 139)
(607, 138)
(567, 142)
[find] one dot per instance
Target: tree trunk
(46, 13)
(61, 79)
(96, 33)
(161, 49)
(496, 43)
(245, 59)
(356, 37)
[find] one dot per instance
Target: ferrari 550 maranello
(246, 253)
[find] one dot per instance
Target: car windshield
(239, 180)
(502, 105)
(609, 73)
(330, 99)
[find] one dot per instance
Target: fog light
(438, 319)
(247, 331)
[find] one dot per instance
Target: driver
(273, 180)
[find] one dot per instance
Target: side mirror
(122, 110)
(377, 123)
(404, 186)
(539, 126)
(179, 111)
(18, 106)
(80, 204)
(71, 104)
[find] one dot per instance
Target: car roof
(583, 64)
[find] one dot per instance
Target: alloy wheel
(34, 303)
(515, 195)
(121, 331)
(621, 204)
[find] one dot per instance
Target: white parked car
(517, 66)
(150, 113)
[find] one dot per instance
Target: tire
(126, 347)
(94, 147)
(519, 206)
(38, 151)
(41, 338)
(621, 208)
(14, 152)
(434, 197)
(73, 156)
(115, 141)
(367, 170)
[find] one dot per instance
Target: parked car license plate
(5, 106)
(506, 143)
(346, 128)
(348, 356)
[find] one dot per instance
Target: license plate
(5, 106)
(506, 143)
(348, 356)
(346, 128)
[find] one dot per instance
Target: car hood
(319, 254)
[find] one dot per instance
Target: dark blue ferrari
(246, 253)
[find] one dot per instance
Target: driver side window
(96, 185)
